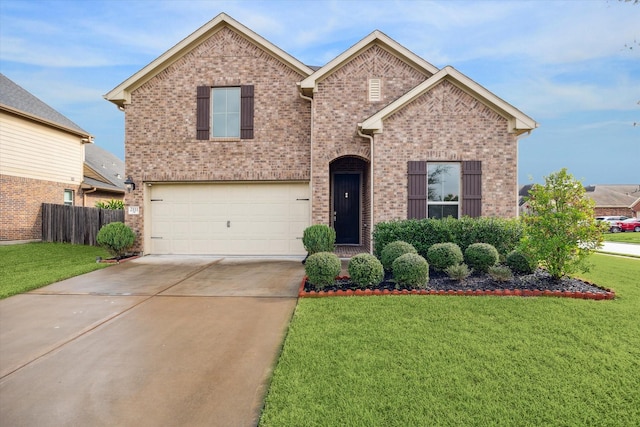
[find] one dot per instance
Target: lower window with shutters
(443, 189)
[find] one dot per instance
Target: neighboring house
(610, 200)
(235, 146)
(41, 157)
(103, 176)
(615, 199)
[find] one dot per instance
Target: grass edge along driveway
(29, 266)
(472, 361)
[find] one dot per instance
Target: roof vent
(375, 90)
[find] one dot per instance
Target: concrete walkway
(621, 248)
(157, 341)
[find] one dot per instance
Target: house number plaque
(134, 210)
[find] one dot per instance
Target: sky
(573, 66)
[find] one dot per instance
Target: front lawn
(472, 361)
(33, 265)
(627, 237)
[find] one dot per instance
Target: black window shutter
(203, 115)
(246, 112)
(472, 188)
(417, 190)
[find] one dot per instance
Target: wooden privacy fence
(75, 224)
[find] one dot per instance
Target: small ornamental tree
(116, 237)
(560, 229)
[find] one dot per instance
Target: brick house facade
(354, 140)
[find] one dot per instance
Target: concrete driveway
(157, 341)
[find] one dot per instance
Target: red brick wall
(160, 122)
(341, 102)
(21, 205)
(90, 199)
(446, 124)
(613, 211)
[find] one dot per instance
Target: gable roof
(518, 121)
(17, 100)
(612, 196)
(103, 169)
(308, 85)
(121, 94)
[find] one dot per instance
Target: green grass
(33, 265)
(464, 361)
(627, 237)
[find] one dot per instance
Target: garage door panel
(235, 219)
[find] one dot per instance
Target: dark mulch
(439, 281)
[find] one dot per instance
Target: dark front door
(346, 208)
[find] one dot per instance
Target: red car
(631, 224)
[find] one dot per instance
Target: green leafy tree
(560, 229)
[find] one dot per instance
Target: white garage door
(229, 219)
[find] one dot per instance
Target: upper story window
(443, 190)
(225, 112)
(68, 197)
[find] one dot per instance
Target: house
(612, 200)
(103, 176)
(235, 146)
(41, 161)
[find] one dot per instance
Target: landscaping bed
(539, 283)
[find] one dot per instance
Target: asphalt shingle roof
(18, 98)
(107, 165)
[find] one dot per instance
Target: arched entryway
(350, 201)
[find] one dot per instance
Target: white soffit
(383, 41)
(121, 94)
(518, 121)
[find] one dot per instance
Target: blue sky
(574, 66)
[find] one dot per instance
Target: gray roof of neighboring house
(614, 195)
(17, 98)
(604, 195)
(105, 164)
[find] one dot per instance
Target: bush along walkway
(539, 283)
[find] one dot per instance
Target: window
(443, 190)
(68, 197)
(224, 112)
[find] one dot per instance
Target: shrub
(458, 272)
(322, 268)
(500, 273)
(411, 270)
(365, 270)
(503, 234)
(319, 238)
(111, 204)
(519, 262)
(393, 250)
(560, 226)
(443, 255)
(116, 238)
(481, 256)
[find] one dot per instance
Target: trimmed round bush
(481, 256)
(116, 237)
(319, 238)
(519, 262)
(393, 250)
(322, 268)
(365, 270)
(411, 271)
(443, 255)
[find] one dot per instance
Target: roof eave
(121, 94)
(85, 136)
(309, 84)
(519, 122)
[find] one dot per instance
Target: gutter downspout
(310, 156)
(370, 138)
(84, 195)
